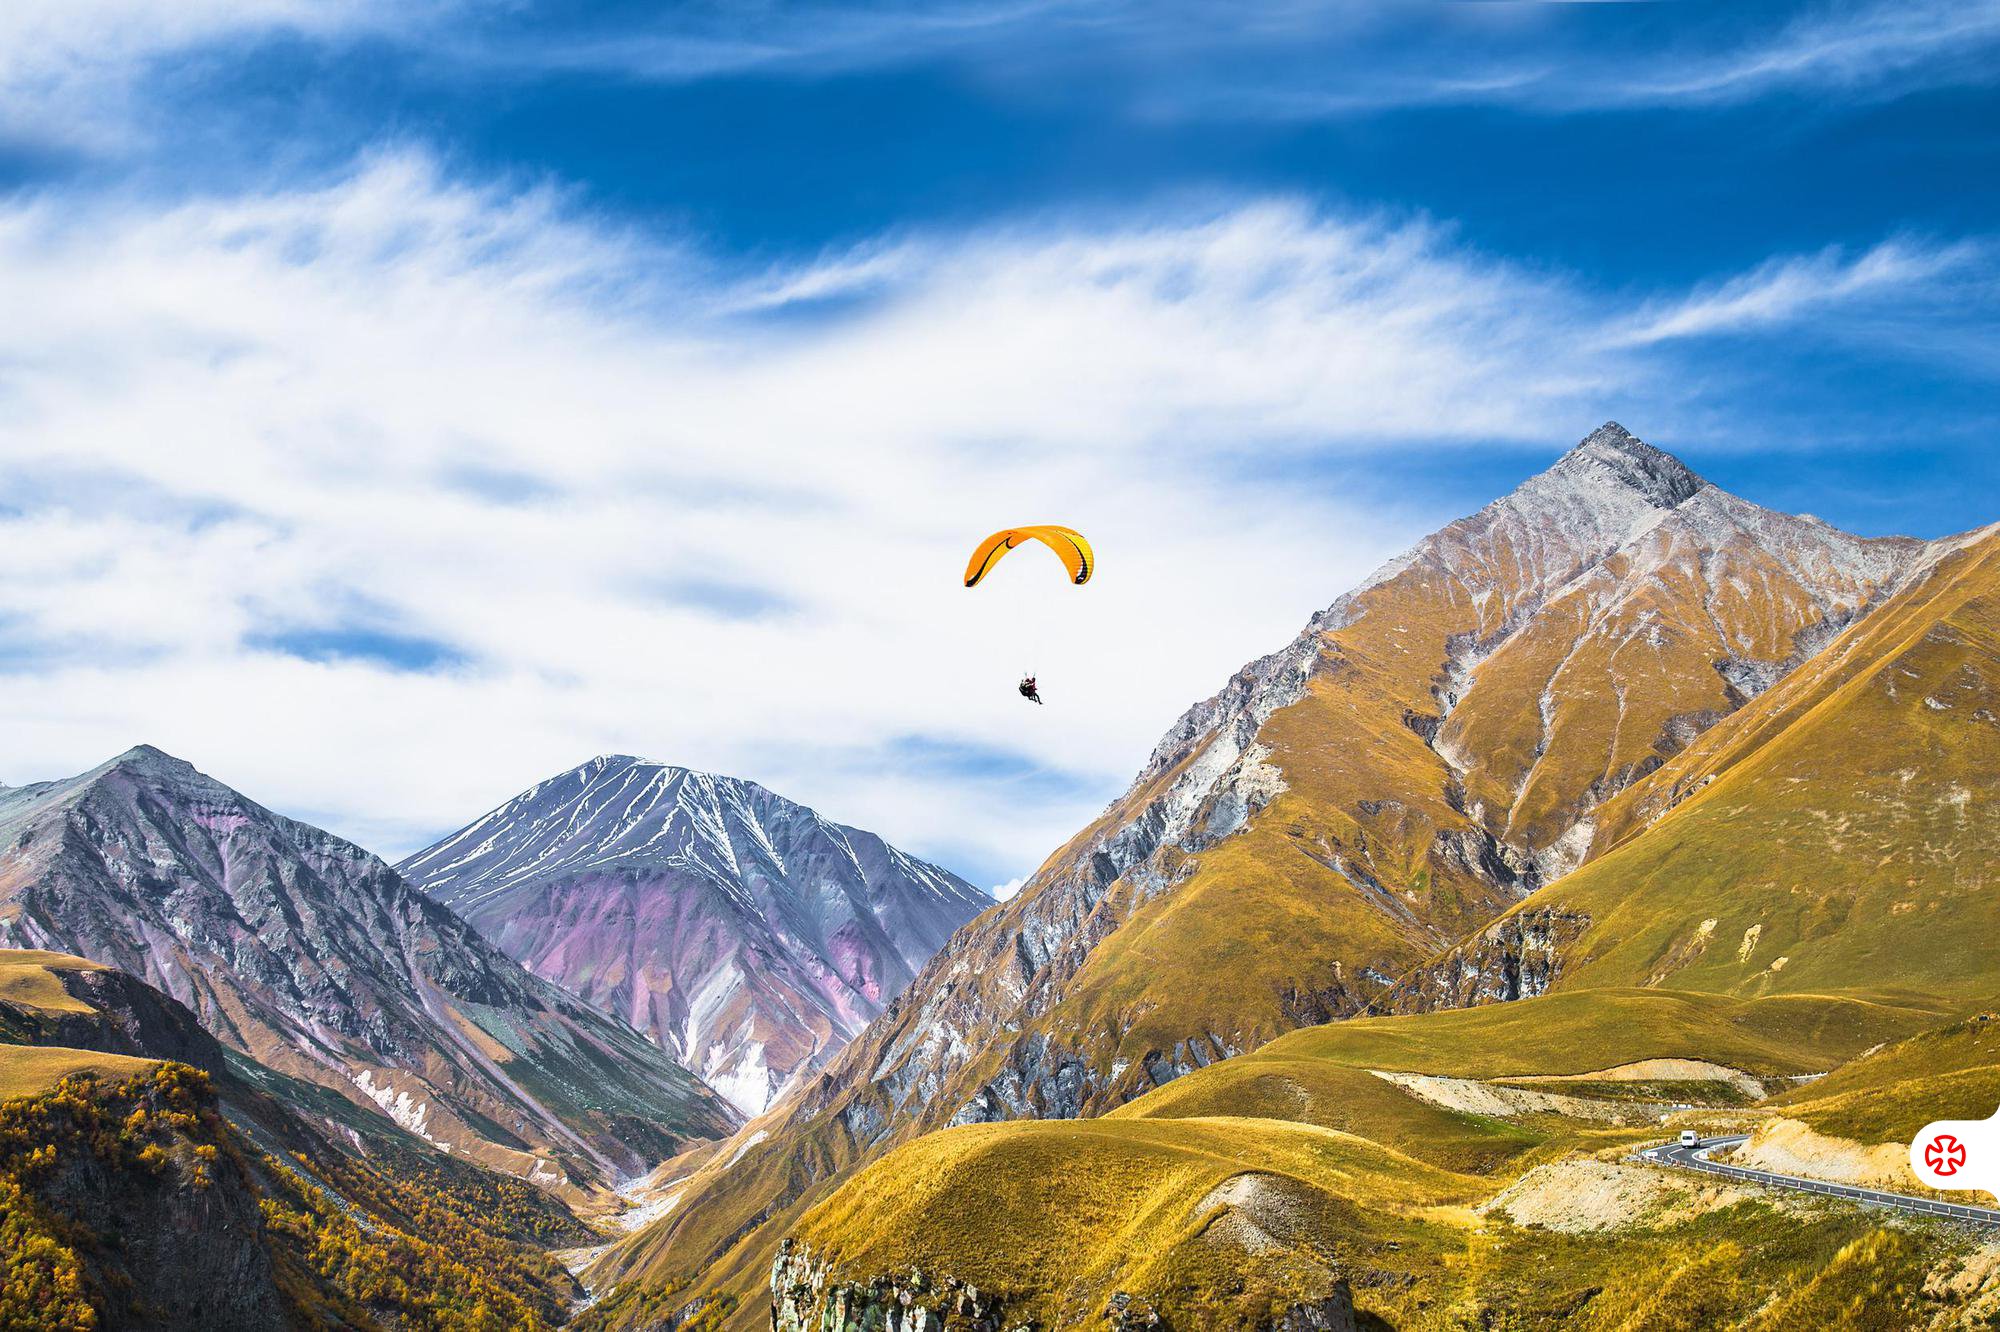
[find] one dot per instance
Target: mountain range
(748, 935)
(316, 960)
(1623, 801)
(1665, 758)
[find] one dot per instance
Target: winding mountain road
(1696, 1158)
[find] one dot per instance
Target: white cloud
(1542, 58)
(1364, 56)
(1855, 48)
(616, 495)
(685, 43)
(84, 72)
(67, 67)
(1786, 289)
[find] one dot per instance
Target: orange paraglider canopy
(1069, 546)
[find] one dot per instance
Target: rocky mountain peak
(747, 933)
(148, 761)
(620, 762)
(1661, 478)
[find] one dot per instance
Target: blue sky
(404, 401)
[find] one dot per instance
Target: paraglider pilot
(1068, 544)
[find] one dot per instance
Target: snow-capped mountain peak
(747, 933)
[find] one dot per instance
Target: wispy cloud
(1538, 58)
(1867, 48)
(70, 69)
(1906, 272)
(686, 43)
(389, 496)
(79, 73)
(1306, 61)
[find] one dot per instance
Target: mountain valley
(1583, 758)
(1621, 807)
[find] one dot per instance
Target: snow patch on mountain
(412, 1113)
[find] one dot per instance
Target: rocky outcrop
(137, 1185)
(126, 1016)
(1335, 1313)
(806, 1297)
(1518, 957)
(742, 931)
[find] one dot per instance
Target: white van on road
(1689, 1138)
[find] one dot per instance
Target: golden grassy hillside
(1220, 1220)
(1574, 1033)
(1836, 836)
(28, 1069)
(29, 979)
(999, 1204)
(1948, 1072)
(30, 984)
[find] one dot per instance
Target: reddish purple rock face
(747, 934)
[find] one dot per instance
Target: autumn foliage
(406, 1245)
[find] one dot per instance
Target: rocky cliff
(140, 1192)
(127, 1208)
(1519, 956)
(806, 1297)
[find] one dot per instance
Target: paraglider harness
(1028, 689)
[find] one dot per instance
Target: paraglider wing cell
(1069, 546)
